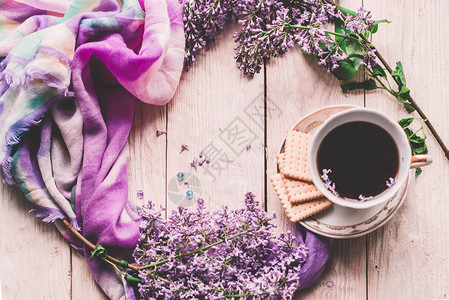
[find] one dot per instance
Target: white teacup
(406, 160)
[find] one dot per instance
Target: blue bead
(180, 176)
(189, 194)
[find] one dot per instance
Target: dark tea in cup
(362, 157)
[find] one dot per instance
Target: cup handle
(421, 160)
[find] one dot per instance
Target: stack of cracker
(299, 196)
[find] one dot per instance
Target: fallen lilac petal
(363, 198)
(390, 182)
(160, 132)
(202, 162)
(183, 148)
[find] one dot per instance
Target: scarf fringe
(13, 138)
(41, 49)
(9, 78)
(48, 215)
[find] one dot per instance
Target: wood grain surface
(218, 111)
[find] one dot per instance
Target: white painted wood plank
(408, 258)
(35, 258)
(83, 283)
(147, 168)
(210, 106)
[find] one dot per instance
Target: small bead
(180, 176)
(140, 194)
(189, 194)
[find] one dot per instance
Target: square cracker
(301, 191)
(300, 211)
(280, 161)
(294, 164)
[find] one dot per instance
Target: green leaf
(408, 107)
(369, 84)
(417, 139)
(345, 71)
(403, 96)
(408, 132)
(349, 66)
(98, 251)
(375, 26)
(398, 75)
(346, 11)
(379, 71)
(132, 279)
(418, 171)
(417, 143)
(338, 29)
(404, 92)
(421, 149)
(355, 53)
(405, 122)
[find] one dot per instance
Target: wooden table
(406, 259)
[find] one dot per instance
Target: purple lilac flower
(203, 159)
(193, 164)
(369, 59)
(328, 184)
(246, 257)
(276, 26)
(390, 182)
(160, 132)
(203, 21)
(184, 147)
(360, 22)
(363, 198)
(270, 28)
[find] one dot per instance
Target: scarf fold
(69, 75)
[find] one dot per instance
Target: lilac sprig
(203, 21)
(275, 26)
(215, 255)
(271, 27)
(360, 22)
(328, 184)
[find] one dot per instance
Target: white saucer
(342, 222)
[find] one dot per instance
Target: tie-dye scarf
(70, 72)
